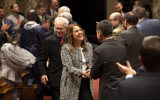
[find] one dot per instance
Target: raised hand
(5, 27)
(126, 69)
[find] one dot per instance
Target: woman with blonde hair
(76, 55)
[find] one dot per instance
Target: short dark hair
(33, 16)
(140, 12)
(115, 3)
(131, 19)
(150, 53)
(1, 7)
(105, 27)
(41, 5)
(11, 7)
(49, 1)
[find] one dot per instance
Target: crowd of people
(64, 63)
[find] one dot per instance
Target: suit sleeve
(43, 57)
(67, 61)
(96, 68)
(11, 31)
(121, 39)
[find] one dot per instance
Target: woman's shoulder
(65, 46)
(89, 45)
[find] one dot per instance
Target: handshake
(86, 74)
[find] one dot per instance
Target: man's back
(106, 55)
(31, 37)
(132, 39)
(149, 27)
(143, 87)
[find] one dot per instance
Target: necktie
(123, 18)
(62, 41)
(19, 22)
(0, 23)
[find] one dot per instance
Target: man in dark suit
(132, 39)
(41, 9)
(148, 27)
(145, 86)
(104, 58)
(52, 9)
(6, 24)
(51, 47)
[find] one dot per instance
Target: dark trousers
(48, 90)
(85, 92)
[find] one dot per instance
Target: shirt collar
(141, 20)
(108, 38)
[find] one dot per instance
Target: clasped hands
(86, 73)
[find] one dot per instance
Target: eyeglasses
(112, 20)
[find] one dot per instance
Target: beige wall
(156, 9)
(155, 4)
(24, 5)
(109, 7)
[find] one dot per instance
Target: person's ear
(100, 33)
(138, 20)
(140, 59)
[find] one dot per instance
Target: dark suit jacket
(132, 39)
(149, 27)
(142, 87)
(49, 33)
(104, 66)
(49, 12)
(51, 49)
(47, 17)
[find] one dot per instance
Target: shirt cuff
(129, 76)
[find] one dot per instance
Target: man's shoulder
(66, 46)
(130, 30)
(106, 44)
(11, 16)
(8, 21)
(21, 17)
(119, 29)
(144, 77)
(130, 82)
(123, 33)
(147, 21)
(51, 37)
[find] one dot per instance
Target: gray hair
(64, 9)
(66, 15)
(62, 20)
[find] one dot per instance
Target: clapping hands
(5, 27)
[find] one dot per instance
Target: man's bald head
(115, 19)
